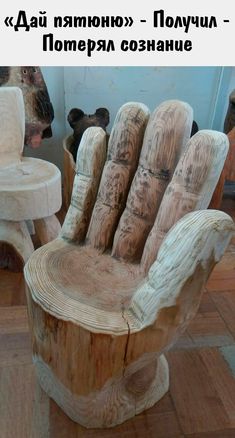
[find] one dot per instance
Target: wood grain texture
(90, 161)
(88, 307)
(203, 410)
(12, 126)
(194, 245)
(166, 135)
(230, 161)
(9, 293)
(224, 383)
(228, 172)
(218, 192)
(47, 229)
(31, 189)
(68, 172)
(12, 408)
(225, 302)
(133, 337)
(123, 153)
(162, 420)
(112, 404)
(191, 188)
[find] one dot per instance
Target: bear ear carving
(74, 116)
(103, 114)
(4, 75)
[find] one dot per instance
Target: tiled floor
(201, 400)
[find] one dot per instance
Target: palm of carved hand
(117, 221)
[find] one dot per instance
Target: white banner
(105, 33)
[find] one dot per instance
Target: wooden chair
(30, 189)
(125, 277)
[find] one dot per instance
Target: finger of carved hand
(191, 187)
(90, 161)
(167, 133)
(171, 293)
(123, 154)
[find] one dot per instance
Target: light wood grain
(140, 331)
(12, 126)
(90, 161)
(47, 229)
(165, 138)
(123, 153)
(86, 306)
(31, 189)
(68, 172)
(191, 188)
(161, 420)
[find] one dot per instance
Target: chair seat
(30, 189)
(81, 286)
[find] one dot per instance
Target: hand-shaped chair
(30, 188)
(125, 277)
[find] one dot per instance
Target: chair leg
(15, 245)
(47, 229)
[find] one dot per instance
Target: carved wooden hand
(109, 296)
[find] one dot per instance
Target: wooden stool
(30, 189)
(121, 283)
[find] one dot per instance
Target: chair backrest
(12, 125)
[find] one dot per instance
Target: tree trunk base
(115, 403)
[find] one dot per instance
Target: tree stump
(125, 276)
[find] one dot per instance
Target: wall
(206, 89)
(91, 87)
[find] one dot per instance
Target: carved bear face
(79, 122)
(39, 112)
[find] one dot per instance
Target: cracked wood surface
(200, 354)
(89, 304)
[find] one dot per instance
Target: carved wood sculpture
(109, 296)
(30, 189)
(39, 112)
(228, 172)
(79, 122)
